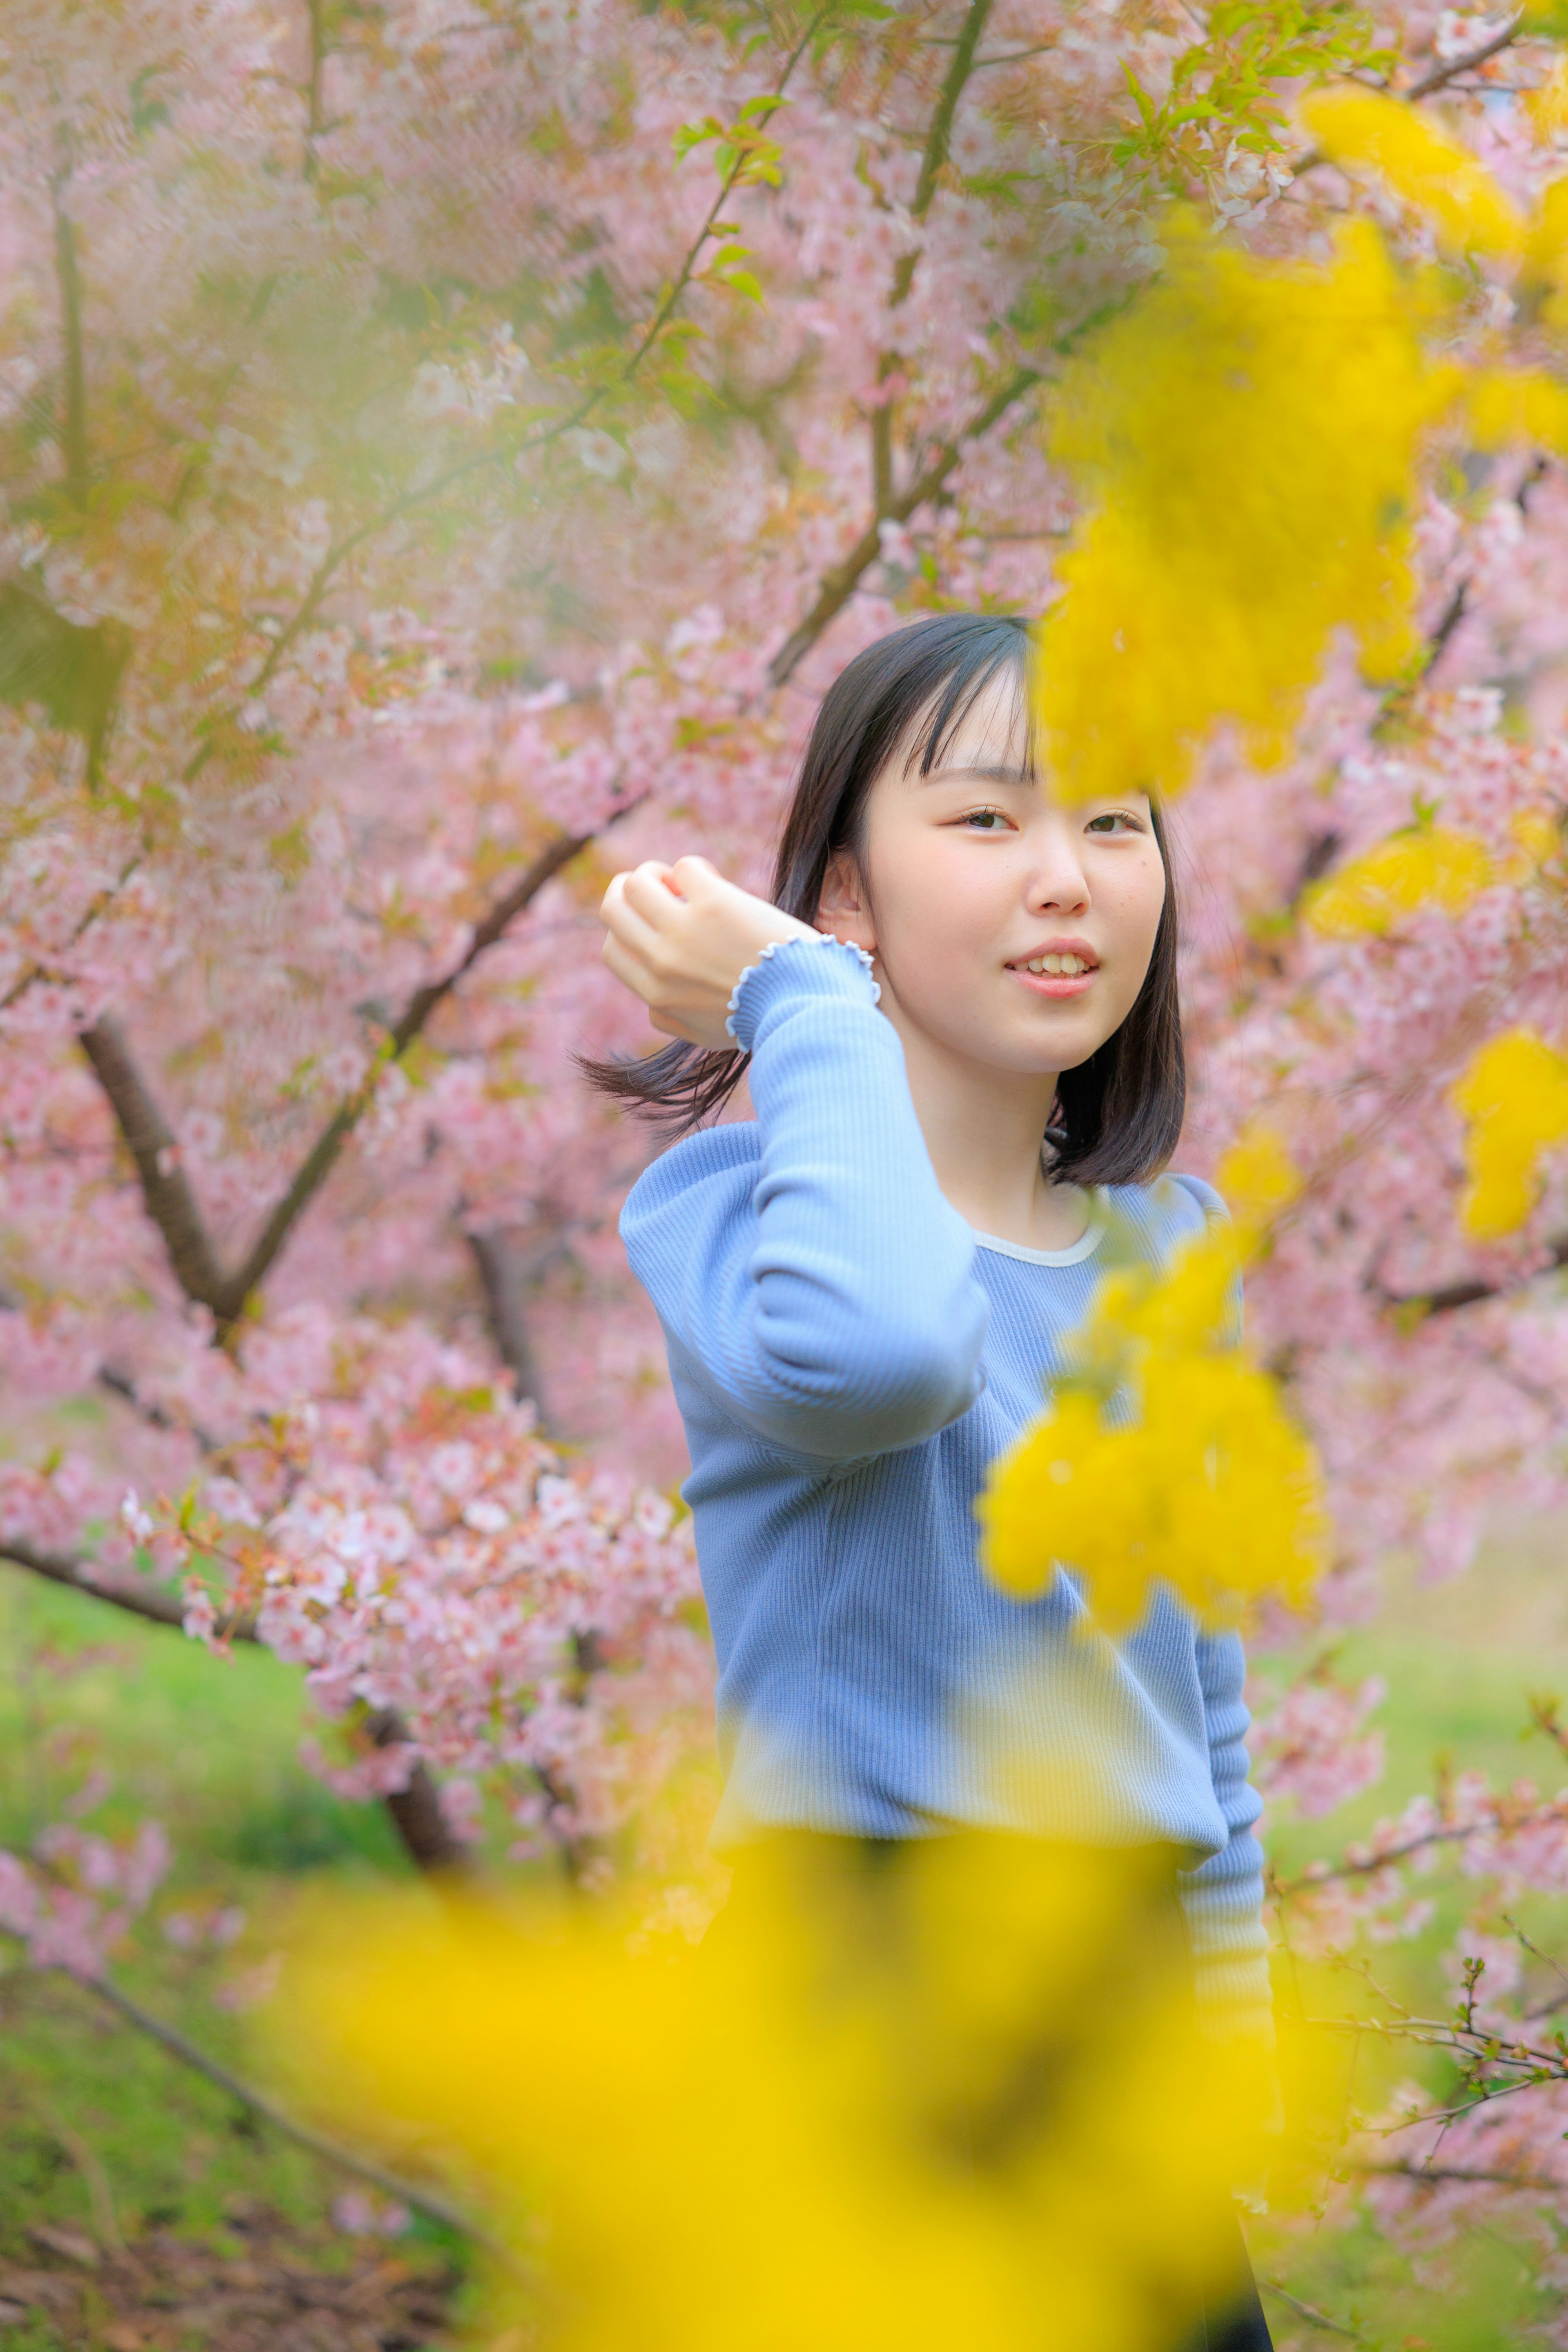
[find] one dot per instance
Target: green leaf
(695, 134)
(1144, 104)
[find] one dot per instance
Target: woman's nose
(1058, 885)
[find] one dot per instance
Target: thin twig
(95, 907)
(1419, 2175)
(319, 1162)
(1310, 2312)
(836, 587)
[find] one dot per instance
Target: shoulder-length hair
(1117, 1116)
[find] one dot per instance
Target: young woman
(958, 1020)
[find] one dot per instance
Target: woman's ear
(843, 909)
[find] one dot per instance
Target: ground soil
(165, 2294)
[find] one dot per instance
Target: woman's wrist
(843, 970)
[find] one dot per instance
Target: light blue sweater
(849, 1356)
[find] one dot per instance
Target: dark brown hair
(1118, 1115)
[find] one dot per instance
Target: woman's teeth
(1064, 964)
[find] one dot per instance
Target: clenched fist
(681, 937)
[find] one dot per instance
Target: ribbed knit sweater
(849, 1356)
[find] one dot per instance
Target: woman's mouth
(1056, 974)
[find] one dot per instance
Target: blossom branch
(1434, 2175)
(415, 1808)
(166, 1191)
(1441, 75)
(508, 1273)
(939, 137)
(157, 1607)
(1362, 1865)
(322, 1158)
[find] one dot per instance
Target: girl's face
(1012, 924)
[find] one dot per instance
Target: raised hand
(680, 936)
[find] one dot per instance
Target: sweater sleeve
(831, 1304)
(1223, 1898)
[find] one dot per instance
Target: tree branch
(342, 2159)
(938, 138)
(1453, 613)
(683, 276)
(838, 586)
(1420, 2174)
(68, 276)
(157, 1607)
(415, 1808)
(1452, 1296)
(1437, 78)
(313, 124)
(165, 1188)
(1449, 1833)
(506, 1277)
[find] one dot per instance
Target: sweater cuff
(787, 968)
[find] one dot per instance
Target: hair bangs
(959, 695)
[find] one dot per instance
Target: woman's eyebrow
(997, 775)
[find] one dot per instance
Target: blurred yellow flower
(1540, 837)
(1429, 866)
(1245, 437)
(1513, 1098)
(970, 2108)
(1259, 1181)
(1163, 1456)
(1431, 172)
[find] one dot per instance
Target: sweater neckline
(1085, 1246)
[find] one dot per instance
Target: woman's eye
(985, 820)
(1113, 821)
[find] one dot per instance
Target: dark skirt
(825, 1870)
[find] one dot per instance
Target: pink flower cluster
(406, 1536)
(73, 1902)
